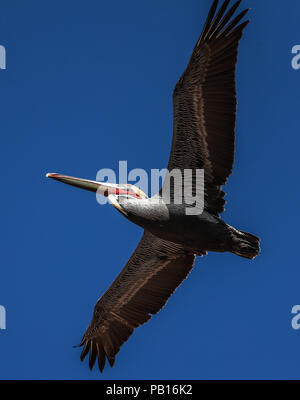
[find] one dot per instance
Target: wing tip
(218, 23)
(96, 351)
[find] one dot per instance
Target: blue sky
(89, 83)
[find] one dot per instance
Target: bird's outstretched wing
(151, 275)
(204, 102)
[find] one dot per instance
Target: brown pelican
(203, 138)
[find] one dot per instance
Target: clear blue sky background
(89, 83)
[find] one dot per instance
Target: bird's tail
(245, 244)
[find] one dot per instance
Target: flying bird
(204, 115)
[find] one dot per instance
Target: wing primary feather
(240, 28)
(232, 25)
(101, 357)
(217, 19)
(209, 19)
(111, 361)
(93, 355)
(84, 351)
(80, 344)
(226, 18)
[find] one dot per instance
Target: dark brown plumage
(152, 274)
(204, 122)
(205, 105)
(203, 138)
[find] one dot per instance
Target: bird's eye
(105, 193)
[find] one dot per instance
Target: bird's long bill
(93, 186)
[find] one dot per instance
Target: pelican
(204, 115)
